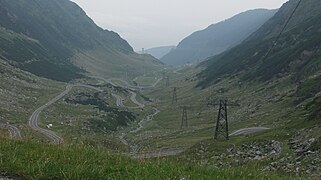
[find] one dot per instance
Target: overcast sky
(153, 23)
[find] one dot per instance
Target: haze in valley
(153, 23)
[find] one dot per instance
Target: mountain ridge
(294, 53)
(158, 52)
(218, 37)
(60, 30)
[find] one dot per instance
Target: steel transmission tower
(222, 127)
(221, 130)
(174, 98)
(184, 118)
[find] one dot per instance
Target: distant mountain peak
(158, 52)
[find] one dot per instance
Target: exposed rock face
(300, 155)
(255, 151)
(6, 178)
(306, 158)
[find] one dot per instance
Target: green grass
(261, 105)
(109, 63)
(22, 93)
(83, 124)
(3, 132)
(35, 161)
(146, 80)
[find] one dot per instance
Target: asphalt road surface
(34, 118)
(14, 132)
(134, 100)
(119, 100)
(247, 131)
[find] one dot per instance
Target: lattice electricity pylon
(222, 127)
(184, 118)
(174, 98)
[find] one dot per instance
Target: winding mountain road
(119, 100)
(119, 103)
(141, 124)
(134, 100)
(132, 146)
(247, 131)
(34, 118)
(131, 90)
(14, 132)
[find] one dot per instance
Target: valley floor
(141, 120)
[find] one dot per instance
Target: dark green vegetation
(110, 119)
(314, 108)
(296, 53)
(217, 38)
(44, 36)
(35, 58)
(34, 161)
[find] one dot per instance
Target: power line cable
(283, 29)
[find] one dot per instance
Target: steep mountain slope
(29, 54)
(159, 52)
(53, 32)
(297, 53)
(112, 63)
(218, 37)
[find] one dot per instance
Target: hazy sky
(153, 23)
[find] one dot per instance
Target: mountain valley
(78, 103)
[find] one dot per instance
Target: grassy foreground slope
(34, 161)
